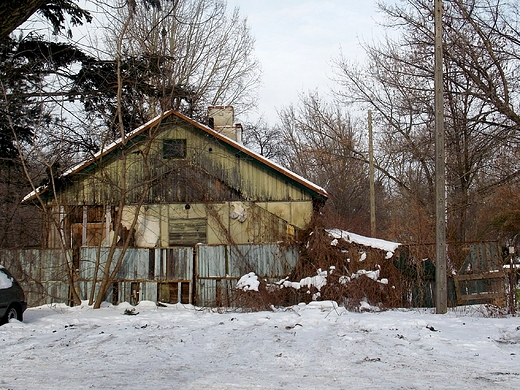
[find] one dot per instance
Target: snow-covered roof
(157, 120)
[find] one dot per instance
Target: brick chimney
(221, 119)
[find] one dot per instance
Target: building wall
(181, 224)
(213, 194)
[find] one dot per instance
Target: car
(12, 298)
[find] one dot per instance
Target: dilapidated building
(187, 182)
(173, 184)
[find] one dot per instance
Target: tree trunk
(15, 12)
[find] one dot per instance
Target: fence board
(486, 287)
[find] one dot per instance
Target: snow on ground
(315, 346)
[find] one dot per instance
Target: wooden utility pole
(371, 165)
(441, 291)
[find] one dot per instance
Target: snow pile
(374, 275)
(317, 281)
(248, 282)
(388, 246)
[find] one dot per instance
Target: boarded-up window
(168, 292)
(186, 232)
(174, 148)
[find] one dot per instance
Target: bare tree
(215, 67)
(323, 144)
(198, 53)
(397, 83)
(214, 74)
(265, 139)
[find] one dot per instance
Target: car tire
(13, 313)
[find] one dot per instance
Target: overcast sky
(297, 40)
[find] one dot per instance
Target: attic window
(174, 148)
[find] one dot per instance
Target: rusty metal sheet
(142, 263)
(211, 261)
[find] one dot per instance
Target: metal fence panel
(179, 264)
(141, 263)
(149, 291)
(206, 292)
(266, 260)
(220, 267)
(211, 261)
(42, 273)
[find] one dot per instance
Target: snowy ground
(312, 346)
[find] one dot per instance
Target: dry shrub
(494, 311)
(268, 296)
(252, 300)
(346, 259)
(345, 267)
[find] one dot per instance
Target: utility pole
(441, 291)
(371, 165)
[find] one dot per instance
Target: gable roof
(317, 190)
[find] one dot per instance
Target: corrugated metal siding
(265, 260)
(220, 267)
(215, 292)
(159, 264)
(149, 291)
(176, 263)
(212, 261)
(40, 272)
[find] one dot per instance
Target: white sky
(297, 41)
